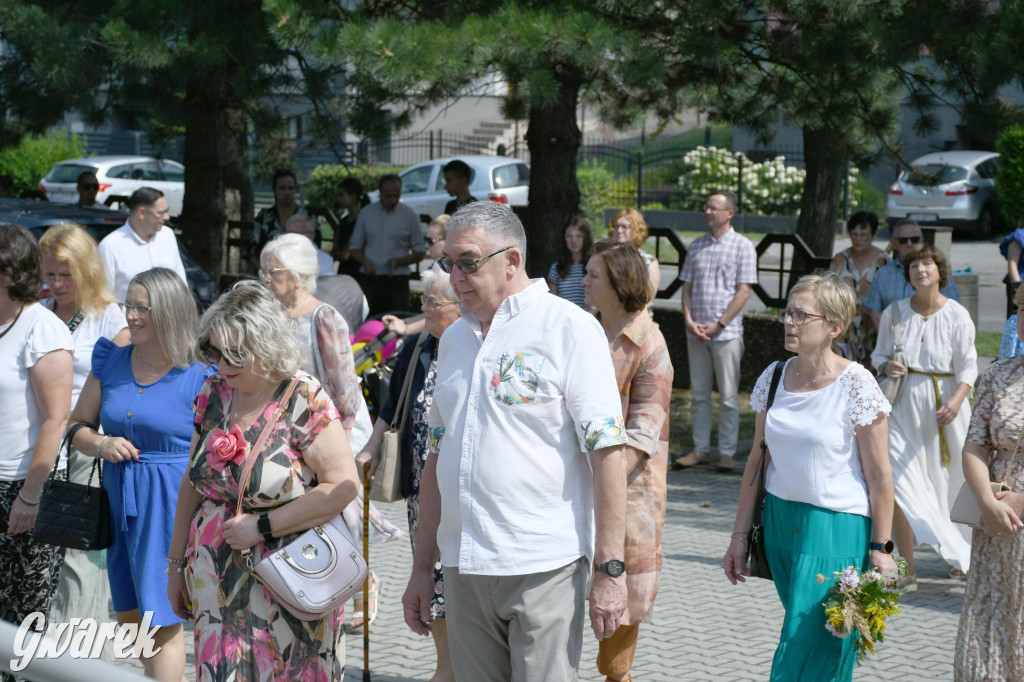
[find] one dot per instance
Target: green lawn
(987, 343)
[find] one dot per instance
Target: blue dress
(158, 420)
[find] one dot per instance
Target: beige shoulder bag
(965, 508)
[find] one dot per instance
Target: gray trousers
(719, 360)
(522, 627)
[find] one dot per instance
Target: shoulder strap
(250, 458)
(776, 377)
(402, 409)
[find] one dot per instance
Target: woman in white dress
(929, 421)
(81, 298)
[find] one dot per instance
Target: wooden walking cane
(366, 580)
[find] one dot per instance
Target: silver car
(955, 189)
(118, 176)
(495, 178)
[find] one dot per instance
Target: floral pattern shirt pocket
(516, 378)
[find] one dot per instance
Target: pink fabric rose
(226, 447)
(495, 380)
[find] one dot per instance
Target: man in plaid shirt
(717, 274)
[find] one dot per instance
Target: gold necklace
(160, 367)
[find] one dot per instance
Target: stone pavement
(704, 629)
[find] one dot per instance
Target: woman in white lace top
(829, 484)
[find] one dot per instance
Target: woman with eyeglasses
(565, 277)
(617, 286)
(435, 249)
(35, 398)
(81, 298)
(628, 225)
(303, 475)
(930, 418)
(288, 270)
(829, 488)
(856, 266)
(440, 309)
(141, 395)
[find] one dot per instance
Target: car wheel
(985, 225)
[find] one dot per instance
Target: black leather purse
(757, 558)
(74, 515)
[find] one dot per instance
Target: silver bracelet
(100, 446)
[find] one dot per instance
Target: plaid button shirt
(715, 267)
(889, 285)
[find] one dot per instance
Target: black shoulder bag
(757, 558)
(74, 515)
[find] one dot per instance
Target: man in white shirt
(386, 240)
(300, 223)
(141, 243)
(525, 467)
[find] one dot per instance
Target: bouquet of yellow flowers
(860, 602)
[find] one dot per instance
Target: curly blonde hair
(636, 221)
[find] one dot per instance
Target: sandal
(358, 616)
(955, 573)
(910, 582)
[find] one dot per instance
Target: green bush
(35, 155)
(1010, 179)
(320, 187)
(595, 182)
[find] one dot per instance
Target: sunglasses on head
(908, 240)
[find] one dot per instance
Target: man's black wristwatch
(263, 524)
(884, 547)
(612, 567)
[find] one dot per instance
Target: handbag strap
(776, 378)
(250, 457)
(398, 421)
(66, 447)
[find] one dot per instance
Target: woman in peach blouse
(617, 285)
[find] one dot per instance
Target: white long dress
(940, 343)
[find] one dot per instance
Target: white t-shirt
(814, 453)
(36, 333)
(125, 254)
(106, 324)
(326, 264)
(516, 414)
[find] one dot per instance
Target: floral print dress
(241, 635)
(859, 341)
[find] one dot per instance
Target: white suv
(118, 176)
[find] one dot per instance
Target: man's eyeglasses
(798, 316)
(429, 302)
(433, 240)
(908, 240)
(53, 278)
(140, 310)
(714, 209)
(467, 265)
(271, 273)
(215, 356)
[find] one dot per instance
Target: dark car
(39, 216)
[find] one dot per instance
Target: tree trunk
(554, 141)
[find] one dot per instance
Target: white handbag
(318, 571)
(965, 508)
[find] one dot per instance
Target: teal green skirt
(802, 541)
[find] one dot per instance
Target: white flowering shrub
(768, 188)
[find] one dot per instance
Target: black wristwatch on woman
(263, 524)
(884, 547)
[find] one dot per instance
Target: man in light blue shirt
(889, 285)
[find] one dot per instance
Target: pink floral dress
(241, 635)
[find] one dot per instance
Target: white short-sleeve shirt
(513, 417)
(126, 254)
(105, 324)
(814, 453)
(34, 334)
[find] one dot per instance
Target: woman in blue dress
(142, 396)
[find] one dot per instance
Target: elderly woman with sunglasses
(142, 397)
(440, 309)
(303, 476)
(931, 415)
(829, 488)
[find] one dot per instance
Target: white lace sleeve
(864, 399)
(759, 396)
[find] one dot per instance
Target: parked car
(118, 176)
(497, 178)
(955, 189)
(39, 216)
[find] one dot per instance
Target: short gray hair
(298, 255)
(173, 314)
(255, 331)
(301, 217)
(435, 275)
(498, 221)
